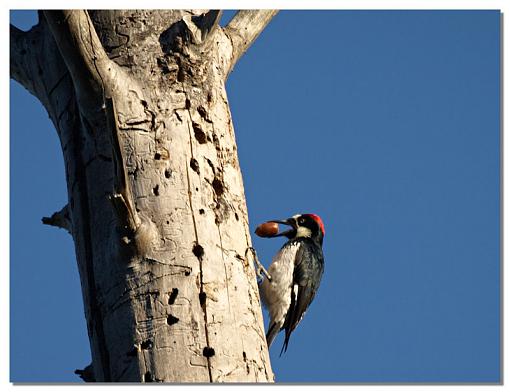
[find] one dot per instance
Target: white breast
(276, 294)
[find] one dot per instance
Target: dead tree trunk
(156, 205)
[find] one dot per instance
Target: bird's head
(303, 225)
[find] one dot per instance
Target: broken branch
(60, 219)
(244, 28)
(86, 374)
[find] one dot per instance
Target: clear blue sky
(384, 123)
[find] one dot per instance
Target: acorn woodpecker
(294, 275)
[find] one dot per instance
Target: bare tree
(156, 204)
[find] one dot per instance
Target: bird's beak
(287, 233)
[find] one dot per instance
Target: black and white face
(303, 225)
(307, 225)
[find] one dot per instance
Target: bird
(294, 276)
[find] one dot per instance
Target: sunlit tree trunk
(156, 205)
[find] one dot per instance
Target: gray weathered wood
(244, 28)
(138, 100)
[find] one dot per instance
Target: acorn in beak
(271, 229)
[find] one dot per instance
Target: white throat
(303, 232)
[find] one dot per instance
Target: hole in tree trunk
(171, 320)
(202, 297)
(194, 165)
(146, 345)
(173, 296)
(217, 184)
(147, 377)
(199, 133)
(203, 113)
(198, 251)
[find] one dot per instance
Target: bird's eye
(301, 221)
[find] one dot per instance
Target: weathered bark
(156, 201)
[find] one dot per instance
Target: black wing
(308, 269)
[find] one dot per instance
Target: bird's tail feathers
(273, 330)
(286, 342)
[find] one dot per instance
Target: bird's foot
(259, 269)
